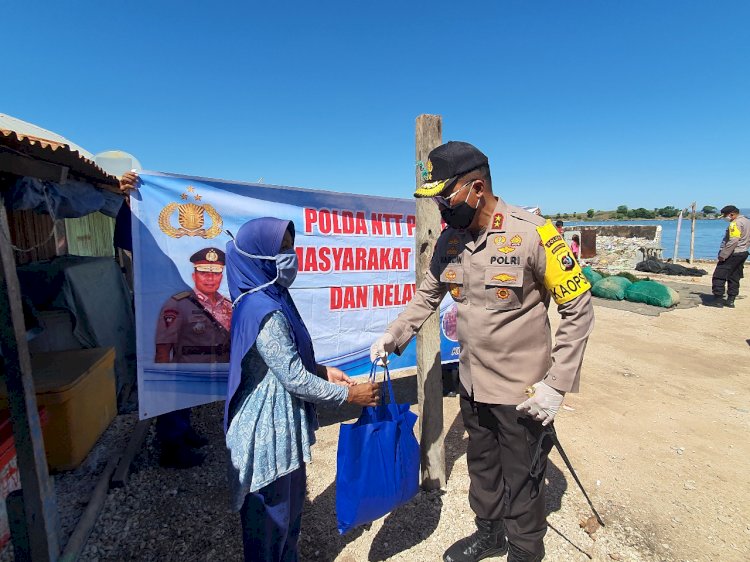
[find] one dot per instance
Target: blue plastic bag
(377, 465)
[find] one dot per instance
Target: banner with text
(356, 273)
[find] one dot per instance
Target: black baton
(550, 430)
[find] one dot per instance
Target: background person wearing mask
(192, 327)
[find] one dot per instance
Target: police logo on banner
(190, 217)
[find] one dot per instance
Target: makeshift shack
(66, 334)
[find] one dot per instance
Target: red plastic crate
(10, 478)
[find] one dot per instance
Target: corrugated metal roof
(38, 143)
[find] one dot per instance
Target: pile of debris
(614, 253)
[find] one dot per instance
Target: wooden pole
(692, 233)
(429, 368)
(677, 238)
(90, 516)
(61, 238)
(43, 528)
(120, 476)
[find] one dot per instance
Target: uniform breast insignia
(499, 240)
(497, 221)
(450, 275)
(516, 240)
(451, 252)
(199, 328)
(169, 316)
(506, 249)
(455, 291)
(503, 293)
(504, 277)
(453, 241)
(190, 217)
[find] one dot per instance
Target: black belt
(205, 349)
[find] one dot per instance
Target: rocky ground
(658, 436)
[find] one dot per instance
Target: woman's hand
(339, 377)
(365, 394)
(129, 182)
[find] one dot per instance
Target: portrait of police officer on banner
(193, 326)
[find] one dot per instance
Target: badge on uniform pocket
(503, 288)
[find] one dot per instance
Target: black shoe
(488, 540)
(180, 457)
(730, 302)
(518, 554)
(194, 439)
(716, 302)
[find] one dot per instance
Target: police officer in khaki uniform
(732, 255)
(501, 265)
(193, 327)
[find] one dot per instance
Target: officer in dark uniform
(193, 327)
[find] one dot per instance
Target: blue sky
(578, 104)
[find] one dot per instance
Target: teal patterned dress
(272, 416)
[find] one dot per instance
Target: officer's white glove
(543, 403)
(381, 348)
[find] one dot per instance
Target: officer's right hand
(384, 345)
(364, 394)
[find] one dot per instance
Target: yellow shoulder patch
(734, 230)
(563, 276)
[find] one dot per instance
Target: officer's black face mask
(461, 215)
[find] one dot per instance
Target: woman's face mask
(286, 269)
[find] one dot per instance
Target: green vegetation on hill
(624, 213)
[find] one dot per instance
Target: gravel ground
(658, 436)
(73, 488)
(183, 515)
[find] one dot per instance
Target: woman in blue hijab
(274, 382)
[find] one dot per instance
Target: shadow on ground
(408, 525)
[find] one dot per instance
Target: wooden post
(429, 368)
(61, 238)
(677, 238)
(42, 521)
(692, 233)
(82, 532)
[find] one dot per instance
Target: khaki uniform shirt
(736, 239)
(197, 328)
(501, 284)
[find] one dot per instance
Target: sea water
(708, 235)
